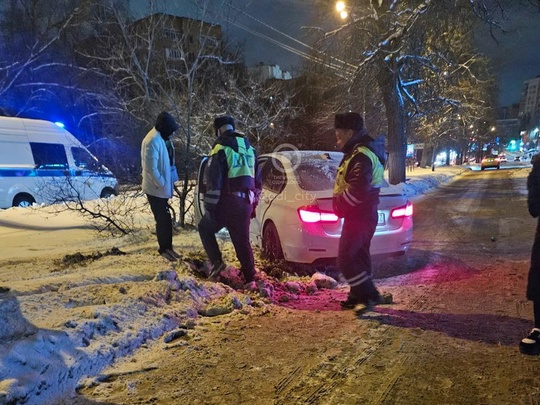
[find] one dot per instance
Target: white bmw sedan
(294, 219)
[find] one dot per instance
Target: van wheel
(271, 245)
(107, 193)
(23, 200)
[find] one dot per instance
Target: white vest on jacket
(156, 166)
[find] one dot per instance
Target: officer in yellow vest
(356, 197)
(234, 186)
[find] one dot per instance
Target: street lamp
(341, 8)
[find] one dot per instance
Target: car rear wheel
(23, 200)
(271, 244)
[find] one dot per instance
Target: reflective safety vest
(241, 163)
(377, 167)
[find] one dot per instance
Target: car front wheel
(23, 200)
(271, 244)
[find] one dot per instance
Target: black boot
(531, 344)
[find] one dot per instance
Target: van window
(84, 160)
(49, 155)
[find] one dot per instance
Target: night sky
(516, 55)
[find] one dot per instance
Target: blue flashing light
(60, 124)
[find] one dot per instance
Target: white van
(41, 162)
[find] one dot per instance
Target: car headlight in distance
(403, 211)
(312, 214)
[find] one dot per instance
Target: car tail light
(312, 214)
(404, 211)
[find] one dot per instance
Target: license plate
(381, 220)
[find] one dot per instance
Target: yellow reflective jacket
(360, 176)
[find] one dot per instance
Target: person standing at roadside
(355, 199)
(234, 186)
(157, 158)
(531, 344)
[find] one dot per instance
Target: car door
(200, 190)
(273, 182)
(51, 172)
(84, 177)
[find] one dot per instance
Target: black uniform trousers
(354, 259)
(533, 284)
(233, 213)
(162, 216)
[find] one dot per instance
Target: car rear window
(317, 175)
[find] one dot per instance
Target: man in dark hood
(233, 186)
(158, 173)
(356, 197)
(166, 125)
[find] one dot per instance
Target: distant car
(294, 219)
(502, 158)
(490, 161)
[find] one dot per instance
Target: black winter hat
(223, 120)
(350, 120)
(166, 124)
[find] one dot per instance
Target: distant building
(262, 73)
(508, 122)
(529, 107)
(529, 111)
(181, 38)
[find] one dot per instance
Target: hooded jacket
(232, 168)
(157, 158)
(358, 182)
(156, 166)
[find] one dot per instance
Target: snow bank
(39, 365)
(422, 180)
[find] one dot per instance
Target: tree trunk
(395, 113)
(427, 155)
(186, 164)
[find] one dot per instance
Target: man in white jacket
(157, 181)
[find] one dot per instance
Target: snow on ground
(62, 322)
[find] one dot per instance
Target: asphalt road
(479, 217)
